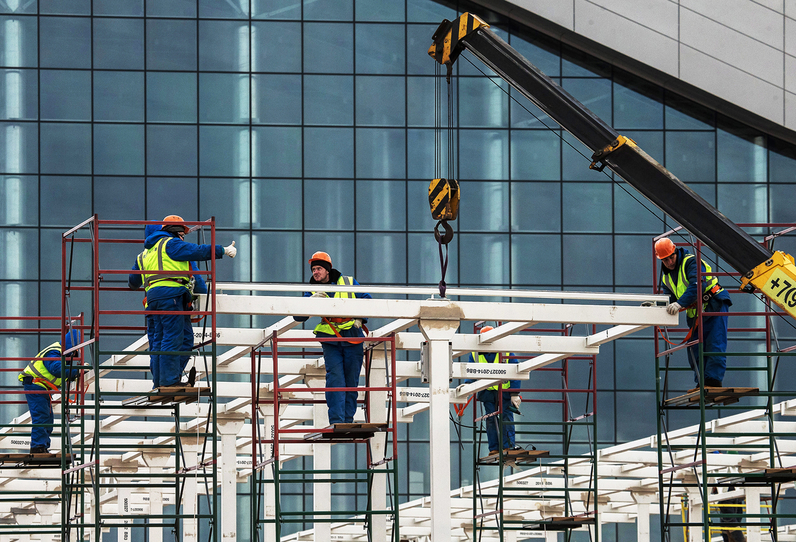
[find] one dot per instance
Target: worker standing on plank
(679, 280)
(43, 373)
(489, 399)
(165, 250)
(343, 360)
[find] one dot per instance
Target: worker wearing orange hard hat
(166, 250)
(343, 360)
(679, 280)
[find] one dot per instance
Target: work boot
(192, 376)
(39, 450)
(712, 383)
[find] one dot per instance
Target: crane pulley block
(443, 196)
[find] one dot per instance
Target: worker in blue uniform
(43, 373)
(165, 250)
(679, 280)
(489, 398)
(343, 360)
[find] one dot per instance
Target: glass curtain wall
(309, 125)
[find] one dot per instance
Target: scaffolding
(713, 481)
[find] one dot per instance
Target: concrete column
(321, 460)
(156, 460)
(229, 427)
(439, 330)
(377, 409)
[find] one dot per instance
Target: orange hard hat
(664, 248)
(322, 256)
(175, 218)
(486, 328)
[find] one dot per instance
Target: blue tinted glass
(213, 9)
(119, 197)
(781, 161)
(276, 152)
(19, 8)
(65, 148)
(781, 197)
(223, 46)
(171, 97)
(706, 190)
(171, 150)
(21, 262)
(119, 96)
(377, 10)
(483, 154)
(132, 8)
(21, 36)
(381, 258)
(68, 196)
(224, 97)
(418, 217)
(424, 264)
(575, 160)
(483, 102)
(118, 149)
(162, 201)
(21, 142)
(224, 151)
(527, 268)
(633, 260)
(486, 207)
(637, 105)
(428, 11)
(683, 114)
(276, 9)
(587, 207)
(18, 94)
(535, 155)
(119, 43)
(277, 99)
(541, 54)
(741, 203)
(579, 64)
(287, 268)
(274, 47)
(328, 152)
(329, 99)
(65, 42)
(227, 200)
(421, 148)
(381, 154)
(485, 256)
(741, 157)
(536, 207)
(633, 213)
(21, 196)
(171, 8)
(420, 93)
(328, 48)
(170, 45)
(373, 93)
(587, 248)
(593, 93)
(276, 204)
(381, 205)
(418, 40)
(62, 7)
(380, 48)
(328, 10)
(339, 245)
(525, 114)
(65, 95)
(328, 205)
(691, 156)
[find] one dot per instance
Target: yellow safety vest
(681, 285)
(338, 323)
(156, 259)
(38, 371)
(482, 359)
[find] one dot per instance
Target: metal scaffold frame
(702, 492)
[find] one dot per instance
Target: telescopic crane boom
(773, 274)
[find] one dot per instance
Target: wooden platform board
(518, 457)
(713, 396)
(169, 394)
(560, 524)
(23, 459)
(787, 474)
(348, 431)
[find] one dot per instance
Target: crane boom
(774, 274)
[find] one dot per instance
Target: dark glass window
(328, 152)
(65, 148)
(65, 95)
(224, 45)
(380, 48)
(119, 44)
(170, 45)
(379, 152)
(328, 205)
(65, 42)
(119, 96)
(224, 98)
(224, 151)
(118, 149)
(373, 93)
(329, 99)
(171, 97)
(328, 48)
(171, 150)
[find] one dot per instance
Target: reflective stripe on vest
(482, 359)
(682, 284)
(323, 327)
(156, 259)
(37, 369)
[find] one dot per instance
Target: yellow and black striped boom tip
(443, 197)
(446, 47)
(776, 278)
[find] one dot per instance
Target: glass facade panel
(486, 208)
(691, 156)
(286, 215)
(170, 45)
(65, 95)
(380, 48)
(118, 43)
(21, 37)
(224, 45)
(65, 42)
(224, 151)
(328, 152)
(372, 93)
(587, 207)
(328, 48)
(171, 97)
(65, 148)
(381, 205)
(118, 149)
(171, 150)
(276, 152)
(381, 153)
(224, 98)
(329, 99)
(119, 96)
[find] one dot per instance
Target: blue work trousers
(492, 423)
(343, 363)
(168, 333)
(714, 339)
(41, 412)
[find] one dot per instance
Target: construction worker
(165, 250)
(679, 280)
(343, 360)
(43, 373)
(489, 399)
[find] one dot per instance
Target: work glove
(516, 400)
(673, 308)
(358, 322)
(230, 250)
(319, 294)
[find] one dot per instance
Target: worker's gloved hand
(673, 308)
(358, 322)
(516, 400)
(230, 250)
(319, 294)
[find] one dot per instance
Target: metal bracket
(598, 157)
(425, 356)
